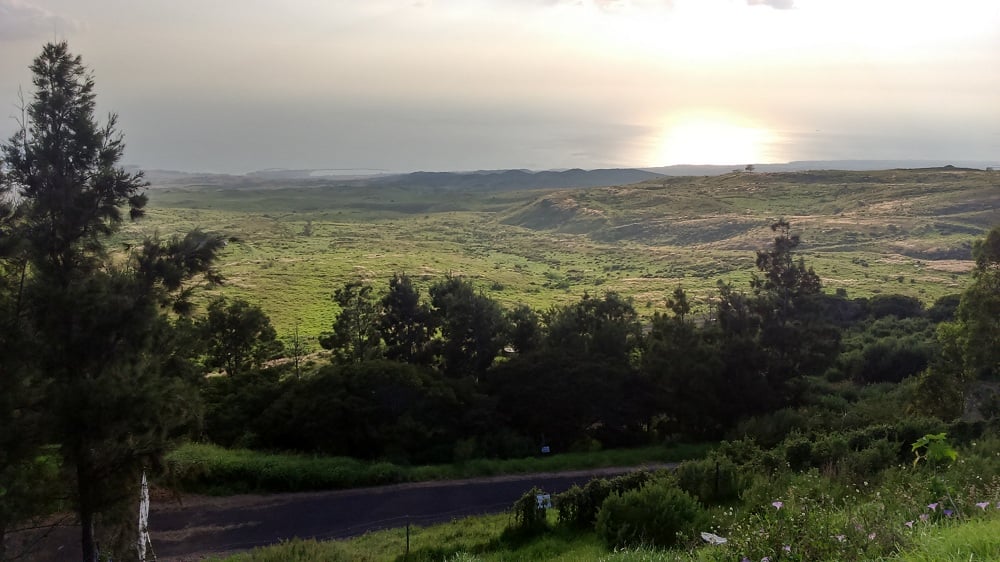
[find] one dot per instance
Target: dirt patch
(951, 266)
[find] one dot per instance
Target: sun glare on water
(712, 140)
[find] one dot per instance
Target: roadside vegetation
(939, 510)
(210, 469)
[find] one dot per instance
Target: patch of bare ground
(951, 266)
(894, 259)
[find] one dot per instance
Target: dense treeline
(451, 375)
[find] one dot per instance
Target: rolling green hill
(295, 242)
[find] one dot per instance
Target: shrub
(578, 506)
(770, 429)
(529, 517)
(713, 480)
(658, 514)
(798, 451)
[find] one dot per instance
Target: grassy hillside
(895, 231)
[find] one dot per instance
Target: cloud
(776, 4)
(20, 19)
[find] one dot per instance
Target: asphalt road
(200, 526)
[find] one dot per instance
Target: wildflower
(871, 536)
(948, 512)
(924, 517)
(787, 548)
(744, 559)
(840, 538)
(909, 524)
(932, 506)
(983, 505)
(778, 504)
(765, 559)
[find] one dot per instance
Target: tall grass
(214, 470)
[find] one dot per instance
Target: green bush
(770, 429)
(713, 480)
(578, 506)
(829, 449)
(658, 514)
(798, 451)
(528, 517)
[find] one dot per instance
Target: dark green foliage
(525, 329)
(578, 506)
(167, 266)
(784, 279)
(713, 480)
(605, 329)
(118, 390)
(564, 398)
(528, 516)
(233, 405)
(900, 306)
(944, 309)
(769, 429)
(685, 372)
(24, 489)
(888, 349)
(355, 336)
(659, 515)
(795, 337)
(375, 409)
(473, 327)
(237, 335)
(64, 164)
(892, 361)
(405, 324)
(210, 470)
(979, 311)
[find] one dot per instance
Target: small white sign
(544, 501)
(546, 450)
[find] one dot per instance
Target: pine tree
(117, 388)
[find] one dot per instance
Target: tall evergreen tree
(405, 324)
(116, 386)
(473, 327)
(355, 335)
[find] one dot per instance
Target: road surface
(199, 526)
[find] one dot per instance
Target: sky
(234, 86)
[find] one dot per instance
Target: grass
(895, 231)
(976, 541)
(214, 470)
(472, 538)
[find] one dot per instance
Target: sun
(711, 139)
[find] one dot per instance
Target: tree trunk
(86, 512)
(87, 543)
